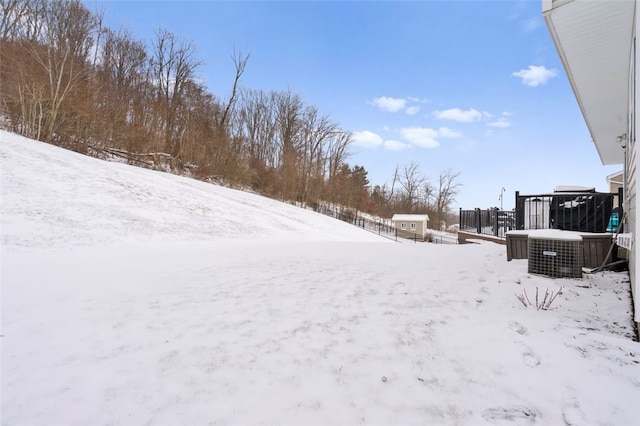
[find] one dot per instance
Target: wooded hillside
(67, 79)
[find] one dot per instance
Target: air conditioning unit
(555, 253)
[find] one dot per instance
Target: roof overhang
(593, 39)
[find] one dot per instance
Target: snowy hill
(133, 297)
(56, 198)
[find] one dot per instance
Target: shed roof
(593, 39)
(411, 217)
(616, 177)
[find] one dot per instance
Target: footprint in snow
(529, 357)
(518, 328)
(510, 415)
(572, 414)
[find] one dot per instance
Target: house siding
(419, 229)
(631, 166)
(597, 43)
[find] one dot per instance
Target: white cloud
(393, 145)
(535, 75)
(421, 136)
(501, 123)
(367, 139)
(531, 24)
(446, 132)
(390, 104)
(397, 104)
(456, 114)
(413, 110)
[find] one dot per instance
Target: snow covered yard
(134, 297)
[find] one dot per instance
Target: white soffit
(593, 39)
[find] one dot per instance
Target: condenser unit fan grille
(560, 258)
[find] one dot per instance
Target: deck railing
(487, 222)
(571, 211)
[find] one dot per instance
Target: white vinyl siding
(631, 167)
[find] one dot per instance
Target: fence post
(519, 211)
(620, 195)
(478, 221)
(496, 222)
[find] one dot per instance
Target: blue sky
(472, 86)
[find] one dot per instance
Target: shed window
(413, 226)
(403, 225)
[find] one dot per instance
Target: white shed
(411, 223)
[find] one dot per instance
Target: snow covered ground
(135, 297)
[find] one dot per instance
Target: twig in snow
(553, 297)
(520, 297)
(544, 304)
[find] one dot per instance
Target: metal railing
(570, 211)
(488, 222)
(382, 227)
(378, 226)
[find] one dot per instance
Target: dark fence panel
(487, 222)
(570, 211)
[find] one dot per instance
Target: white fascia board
(593, 40)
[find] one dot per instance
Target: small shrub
(541, 303)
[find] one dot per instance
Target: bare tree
(426, 195)
(23, 20)
(257, 119)
(47, 46)
(173, 66)
(120, 75)
(289, 108)
(316, 132)
(411, 181)
(240, 63)
(447, 190)
(14, 14)
(22, 89)
(228, 143)
(337, 151)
